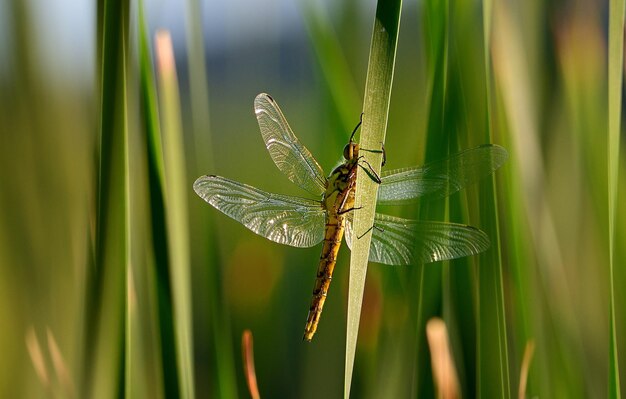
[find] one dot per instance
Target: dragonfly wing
(397, 241)
(440, 178)
(291, 157)
(284, 219)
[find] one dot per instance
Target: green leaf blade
(615, 75)
(176, 210)
(375, 114)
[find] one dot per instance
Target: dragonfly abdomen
(328, 259)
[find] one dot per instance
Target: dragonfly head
(351, 150)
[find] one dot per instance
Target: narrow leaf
(375, 111)
(615, 74)
(160, 275)
(493, 376)
(208, 278)
(105, 356)
(176, 209)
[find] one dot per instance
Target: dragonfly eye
(350, 150)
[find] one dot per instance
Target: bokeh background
(545, 100)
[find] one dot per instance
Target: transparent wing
(397, 241)
(284, 219)
(440, 178)
(291, 157)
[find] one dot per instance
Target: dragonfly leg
(381, 151)
(341, 212)
(370, 171)
(370, 229)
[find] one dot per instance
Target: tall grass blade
(104, 350)
(158, 225)
(199, 88)
(492, 329)
(615, 75)
(210, 278)
(375, 112)
(176, 210)
(427, 280)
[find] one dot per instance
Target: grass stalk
(492, 327)
(375, 113)
(105, 358)
(426, 280)
(176, 210)
(203, 158)
(160, 276)
(615, 75)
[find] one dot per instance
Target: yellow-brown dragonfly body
(302, 222)
(338, 200)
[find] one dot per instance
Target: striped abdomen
(338, 200)
(332, 241)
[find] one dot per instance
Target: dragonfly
(305, 222)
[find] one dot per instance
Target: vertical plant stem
(105, 347)
(428, 282)
(492, 354)
(615, 74)
(375, 112)
(160, 275)
(176, 210)
(210, 277)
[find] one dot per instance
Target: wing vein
(294, 221)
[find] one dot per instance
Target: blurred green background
(544, 97)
